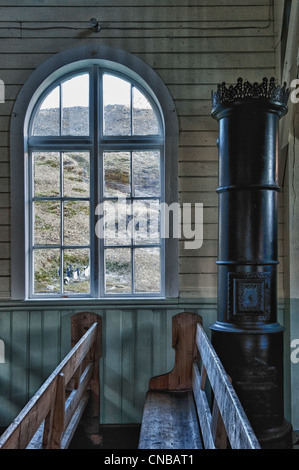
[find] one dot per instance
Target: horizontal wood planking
(176, 60)
(4, 204)
(209, 60)
(14, 77)
(4, 154)
(110, 13)
(4, 185)
(210, 247)
(139, 44)
(117, 30)
(135, 3)
(192, 45)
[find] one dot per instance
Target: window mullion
(31, 222)
(60, 109)
(131, 108)
(61, 223)
(96, 105)
(132, 215)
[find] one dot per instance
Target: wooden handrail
(49, 413)
(236, 424)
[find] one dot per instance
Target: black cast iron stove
(246, 335)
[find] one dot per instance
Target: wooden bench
(50, 418)
(177, 413)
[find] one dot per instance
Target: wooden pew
(177, 413)
(50, 418)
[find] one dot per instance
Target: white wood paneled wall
(191, 44)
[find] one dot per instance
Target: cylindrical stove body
(246, 336)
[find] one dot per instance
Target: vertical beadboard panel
(169, 351)
(129, 410)
(6, 414)
(143, 353)
(36, 346)
(51, 341)
(19, 343)
(65, 332)
(159, 343)
(112, 367)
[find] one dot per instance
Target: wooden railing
(51, 416)
(228, 421)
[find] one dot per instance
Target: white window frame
(53, 70)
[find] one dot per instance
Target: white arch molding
(50, 70)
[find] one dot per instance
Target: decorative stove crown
(267, 90)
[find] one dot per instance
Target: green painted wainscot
(136, 346)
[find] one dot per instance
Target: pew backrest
(62, 398)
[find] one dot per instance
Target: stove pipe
(246, 335)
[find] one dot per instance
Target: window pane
(76, 222)
(46, 271)
(47, 118)
(117, 105)
(117, 222)
(145, 121)
(118, 271)
(46, 173)
(117, 174)
(75, 105)
(76, 271)
(146, 222)
(46, 223)
(146, 171)
(76, 174)
(147, 275)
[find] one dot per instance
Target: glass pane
(76, 174)
(118, 270)
(147, 276)
(76, 222)
(146, 222)
(47, 118)
(117, 105)
(46, 222)
(117, 222)
(145, 121)
(117, 174)
(46, 168)
(75, 105)
(146, 171)
(76, 271)
(46, 271)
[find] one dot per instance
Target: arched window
(94, 146)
